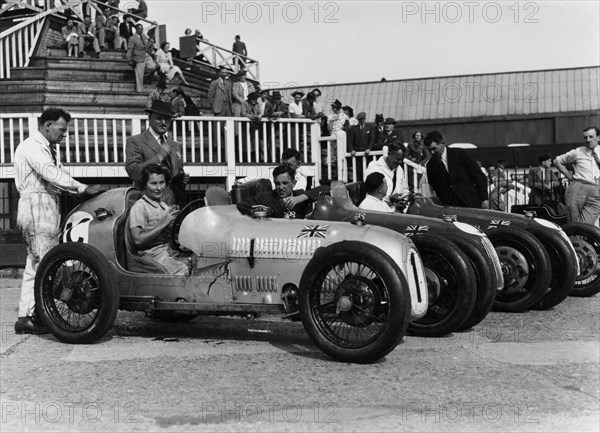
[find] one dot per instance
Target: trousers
(583, 202)
(39, 219)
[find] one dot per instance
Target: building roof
(468, 96)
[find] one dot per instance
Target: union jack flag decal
(314, 231)
(498, 223)
(415, 230)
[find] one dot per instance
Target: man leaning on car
(40, 179)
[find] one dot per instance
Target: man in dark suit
(454, 176)
(543, 181)
(154, 147)
(389, 136)
(375, 132)
(126, 30)
(219, 94)
(358, 141)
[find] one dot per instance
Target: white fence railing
(218, 56)
(211, 146)
(18, 42)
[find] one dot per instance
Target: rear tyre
(75, 295)
(450, 286)
(586, 241)
(562, 262)
(487, 282)
(525, 267)
(354, 302)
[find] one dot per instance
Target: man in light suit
(240, 91)
(139, 58)
(87, 37)
(154, 147)
(454, 176)
(219, 94)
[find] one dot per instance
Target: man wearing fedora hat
(295, 108)
(276, 107)
(390, 135)
(219, 93)
(153, 146)
(240, 91)
(376, 131)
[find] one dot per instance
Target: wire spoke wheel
(354, 302)
(586, 242)
(74, 293)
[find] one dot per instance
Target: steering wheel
(190, 207)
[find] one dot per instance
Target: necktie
(53, 153)
(596, 158)
(394, 180)
(167, 161)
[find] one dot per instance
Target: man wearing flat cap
(153, 146)
(390, 135)
(219, 94)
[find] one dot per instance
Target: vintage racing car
(585, 239)
(521, 258)
(444, 246)
(355, 288)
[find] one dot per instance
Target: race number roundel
(77, 228)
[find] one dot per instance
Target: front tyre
(525, 268)
(354, 302)
(586, 241)
(75, 295)
(451, 287)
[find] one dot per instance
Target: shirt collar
(153, 203)
(155, 135)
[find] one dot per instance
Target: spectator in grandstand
(165, 61)
(87, 37)
(376, 189)
(276, 108)
(317, 104)
(251, 107)
(240, 91)
(349, 112)
(41, 179)
(265, 96)
(389, 136)
(126, 31)
(295, 108)
(178, 102)
(376, 131)
(139, 57)
(337, 119)
(454, 176)
(238, 48)
(308, 107)
(417, 152)
(582, 196)
(150, 220)
(391, 168)
(543, 181)
(71, 37)
(153, 146)
(140, 12)
(219, 93)
(358, 137)
(106, 31)
(284, 201)
(160, 94)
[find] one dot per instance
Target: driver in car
(284, 201)
(149, 221)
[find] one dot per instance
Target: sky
(313, 43)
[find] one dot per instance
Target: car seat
(249, 189)
(126, 252)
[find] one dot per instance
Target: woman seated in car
(150, 219)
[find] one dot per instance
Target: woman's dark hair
(163, 45)
(155, 169)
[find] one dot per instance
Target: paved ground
(537, 371)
